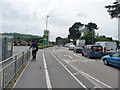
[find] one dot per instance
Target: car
(92, 51)
(78, 49)
(112, 59)
(71, 47)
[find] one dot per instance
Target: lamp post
(47, 21)
(47, 30)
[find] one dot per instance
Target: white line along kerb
(49, 86)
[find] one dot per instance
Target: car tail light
(104, 49)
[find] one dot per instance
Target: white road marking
(76, 73)
(85, 74)
(70, 56)
(96, 80)
(76, 55)
(49, 86)
(70, 72)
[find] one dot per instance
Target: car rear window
(97, 48)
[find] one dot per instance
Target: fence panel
(11, 66)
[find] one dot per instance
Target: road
(19, 49)
(57, 67)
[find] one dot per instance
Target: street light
(47, 21)
(47, 26)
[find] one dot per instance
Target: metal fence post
(27, 55)
(15, 64)
(22, 57)
(3, 80)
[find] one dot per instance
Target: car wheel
(105, 61)
(82, 54)
(88, 56)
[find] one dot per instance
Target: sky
(29, 16)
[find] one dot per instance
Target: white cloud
(19, 15)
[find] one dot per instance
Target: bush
(42, 47)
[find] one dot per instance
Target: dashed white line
(49, 86)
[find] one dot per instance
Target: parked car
(78, 49)
(71, 47)
(112, 59)
(68, 44)
(90, 51)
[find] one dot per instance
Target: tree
(59, 41)
(89, 32)
(103, 38)
(91, 26)
(62, 41)
(114, 10)
(74, 31)
(89, 37)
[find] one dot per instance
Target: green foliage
(91, 26)
(89, 37)
(114, 10)
(103, 38)
(74, 31)
(42, 47)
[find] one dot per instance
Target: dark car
(112, 59)
(91, 51)
(78, 49)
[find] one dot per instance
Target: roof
(21, 35)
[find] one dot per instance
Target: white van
(71, 47)
(108, 46)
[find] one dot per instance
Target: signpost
(46, 38)
(6, 46)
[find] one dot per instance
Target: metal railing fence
(10, 67)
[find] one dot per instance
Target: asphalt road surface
(19, 49)
(58, 67)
